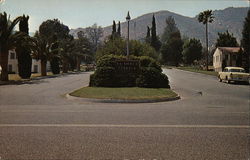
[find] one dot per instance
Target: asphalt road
(210, 121)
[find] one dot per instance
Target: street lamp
(128, 19)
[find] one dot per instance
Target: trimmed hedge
(149, 73)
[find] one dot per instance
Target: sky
(84, 13)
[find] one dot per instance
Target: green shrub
(151, 78)
(150, 62)
(148, 75)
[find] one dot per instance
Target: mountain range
(230, 19)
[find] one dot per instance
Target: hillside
(228, 19)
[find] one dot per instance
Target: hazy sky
(83, 13)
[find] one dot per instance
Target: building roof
(230, 49)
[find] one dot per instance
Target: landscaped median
(129, 94)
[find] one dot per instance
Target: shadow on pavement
(39, 80)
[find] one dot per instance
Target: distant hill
(230, 19)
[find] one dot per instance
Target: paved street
(210, 121)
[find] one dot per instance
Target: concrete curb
(122, 100)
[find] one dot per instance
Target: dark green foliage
(118, 47)
(24, 53)
(119, 29)
(155, 42)
(226, 40)
(245, 43)
(169, 29)
(114, 28)
(151, 78)
(148, 37)
(192, 50)
(171, 51)
(148, 75)
(54, 63)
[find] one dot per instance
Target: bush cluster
(148, 75)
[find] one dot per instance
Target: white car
(236, 74)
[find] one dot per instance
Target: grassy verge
(132, 93)
(197, 70)
(16, 77)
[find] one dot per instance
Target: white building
(226, 56)
(13, 64)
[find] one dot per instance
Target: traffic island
(124, 95)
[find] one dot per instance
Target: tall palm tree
(206, 17)
(8, 40)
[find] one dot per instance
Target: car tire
(220, 80)
(227, 80)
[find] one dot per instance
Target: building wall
(13, 64)
(217, 60)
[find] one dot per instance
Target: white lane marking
(125, 126)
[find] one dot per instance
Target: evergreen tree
(169, 29)
(23, 53)
(192, 50)
(155, 42)
(148, 37)
(119, 29)
(114, 28)
(245, 43)
(226, 40)
(171, 51)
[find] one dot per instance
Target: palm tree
(43, 51)
(8, 40)
(206, 17)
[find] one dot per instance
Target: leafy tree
(118, 47)
(114, 28)
(245, 42)
(155, 42)
(226, 40)
(148, 37)
(43, 51)
(8, 40)
(24, 53)
(206, 17)
(169, 29)
(192, 50)
(171, 51)
(53, 32)
(94, 33)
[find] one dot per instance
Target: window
(12, 55)
(226, 57)
(10, 68)
(36, 68)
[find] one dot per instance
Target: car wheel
(219, 79)
(227, 80)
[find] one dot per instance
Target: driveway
(210, 121)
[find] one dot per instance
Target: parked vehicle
(236, 74)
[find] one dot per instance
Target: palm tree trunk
(43, 67)
(4, 64)
(207, 46)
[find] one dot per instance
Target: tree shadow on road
(39, 80)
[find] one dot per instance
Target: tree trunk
(65, 66)
(207, 46)
(4, 64)
(43, 67)
(78, 61)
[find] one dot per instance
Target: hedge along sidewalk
(124, 95)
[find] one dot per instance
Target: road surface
(210, 121)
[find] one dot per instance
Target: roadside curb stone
(122, 100)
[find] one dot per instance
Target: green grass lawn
(197, 70)
(16, 77)
(132, 93)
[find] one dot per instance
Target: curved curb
(122, 100)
